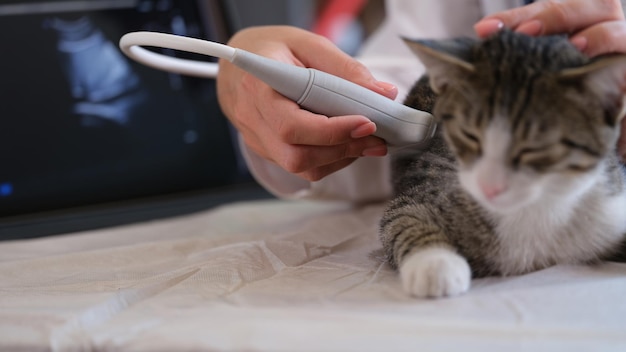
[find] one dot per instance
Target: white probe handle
(396, 123)
(314, 90)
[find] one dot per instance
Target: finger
(603, 38)
(552, 17)
(298, 46)
(323, 55)
(307, 128)
(488, 26)
(278, 130)
(293, 125)
(303, 158)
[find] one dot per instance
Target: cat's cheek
(468, 180)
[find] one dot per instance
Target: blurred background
(345, 22)
(91, 139)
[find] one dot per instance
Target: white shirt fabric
(389, 60)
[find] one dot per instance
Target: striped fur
(522, 173)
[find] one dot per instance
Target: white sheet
(277, 275)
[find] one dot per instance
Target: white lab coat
(368, 178)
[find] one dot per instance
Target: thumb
(325, 56)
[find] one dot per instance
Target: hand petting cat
(595, 27)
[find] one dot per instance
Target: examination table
(277, 275)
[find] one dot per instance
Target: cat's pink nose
(491, 191)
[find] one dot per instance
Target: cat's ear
(445, 60)
(605, 74)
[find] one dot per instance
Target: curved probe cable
(131, 44)
(313, 90)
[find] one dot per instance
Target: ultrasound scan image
(82, 123)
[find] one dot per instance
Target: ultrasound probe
(313, 90)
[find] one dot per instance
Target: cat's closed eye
(466, 142)
(555, 157)
(472, 137)
(540, 158)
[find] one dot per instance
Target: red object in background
(335, 16)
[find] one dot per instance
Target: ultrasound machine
(90, 138)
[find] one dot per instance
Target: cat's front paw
(435, 272)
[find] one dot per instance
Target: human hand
(309, 145)
(595, 27)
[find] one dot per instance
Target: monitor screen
(83, 124)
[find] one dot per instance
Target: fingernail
(533, 28)
(363, 130)
(487, 27)
(380, 150)
(387, 87)
(579, 42)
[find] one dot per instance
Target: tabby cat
(522, 173)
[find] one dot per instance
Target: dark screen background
(82, 124)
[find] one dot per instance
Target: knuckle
(613, 8)
(355, 149)
(350, 150)
(609, 39)
(287, 132)
(354, 68)
(319, 41)
(332, 138)
(295, 160)
(313, 175)
(350, 68)
(560, 13)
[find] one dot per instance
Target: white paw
(435, 272)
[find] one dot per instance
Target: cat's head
(529, 119)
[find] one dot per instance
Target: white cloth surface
(282, 276)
